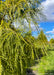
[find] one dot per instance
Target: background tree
(52, 40)
(42, 37)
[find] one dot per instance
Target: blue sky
(48, 24)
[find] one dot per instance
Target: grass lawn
(45, 66)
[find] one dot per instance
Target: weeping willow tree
(15, 51)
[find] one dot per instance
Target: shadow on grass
(29, 72)
(49, 72)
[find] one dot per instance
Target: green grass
(46, 65)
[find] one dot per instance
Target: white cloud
(48, 9)
(35, 27)
(50, 31)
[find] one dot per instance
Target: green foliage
(19, 10)
(52, 40)
(42, 37)
(19, 53)
(16, 51)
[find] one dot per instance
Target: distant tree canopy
(52, 40)
(42, 37)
